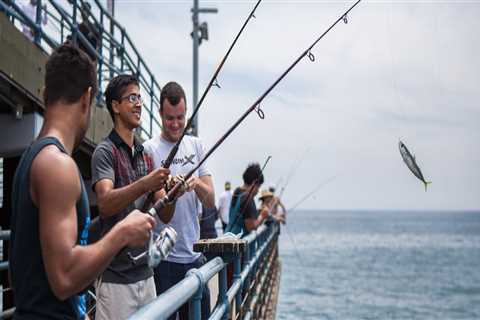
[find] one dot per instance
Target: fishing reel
(158, 248)
(179, 183)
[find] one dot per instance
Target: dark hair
(69, 73)
(252, 174)
(116, 88)
(173, 92)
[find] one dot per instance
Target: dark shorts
(168, 274)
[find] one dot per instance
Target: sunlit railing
(115, 52)
(254, 269)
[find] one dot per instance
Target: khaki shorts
(119, 301)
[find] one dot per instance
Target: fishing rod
(292, 239)
(250, 193)
(256, 106)
(213, 82)
(293, 169)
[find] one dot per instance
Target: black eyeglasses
(133, 98)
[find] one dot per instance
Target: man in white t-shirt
(188, 207)
(224, 205)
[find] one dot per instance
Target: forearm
(85, 263)
(204, 192)
(166, 214)
(253, 224)
(115, 200)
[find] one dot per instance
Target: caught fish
(409, 160)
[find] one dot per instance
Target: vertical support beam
(151, 106)
(38, 23)
(195, 303)
(74, 21)
(100, 61)
(222, 291)
(62, 27)
(112, 34)
(122, 40)
(9, 167)
(236, 276)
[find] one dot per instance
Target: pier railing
(4, 237)
(249, 294)
(112, 49)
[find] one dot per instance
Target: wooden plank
(220, 246)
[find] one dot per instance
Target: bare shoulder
(54, 174)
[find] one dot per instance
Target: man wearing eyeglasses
(122, 176)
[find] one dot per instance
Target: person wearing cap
(276, 202)
(224, 205)
(269, 201)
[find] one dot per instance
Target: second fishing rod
(171, 194)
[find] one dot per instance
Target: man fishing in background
(277, 204)
(269, 201)
(244, 216)
(224, 205)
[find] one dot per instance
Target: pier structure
(252, 292)
(25, 44)
(253, 289)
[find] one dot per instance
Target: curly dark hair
(253, 174)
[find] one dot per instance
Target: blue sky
(398, 69)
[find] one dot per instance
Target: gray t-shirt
(188, 206)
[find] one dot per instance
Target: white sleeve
(202, 171)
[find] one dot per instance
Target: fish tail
(426, 184)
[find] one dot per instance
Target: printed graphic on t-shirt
(183, 161)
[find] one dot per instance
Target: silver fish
(409, 160)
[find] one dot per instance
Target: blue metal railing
(115, 52)
(258, 261)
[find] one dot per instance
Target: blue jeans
(167, 274)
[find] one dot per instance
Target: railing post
(74, 23)
(38, 23)
(100, 61)
(61, 29)
(112, 35)
(122, 50)
(151, 107)
(222, 291)
(236, 276)
(195, 303)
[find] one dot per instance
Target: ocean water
(380, 265)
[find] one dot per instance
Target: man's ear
(115, 107)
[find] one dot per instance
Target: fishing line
(160, 204)
(312, 192)
(213, 82)
(292, 209)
